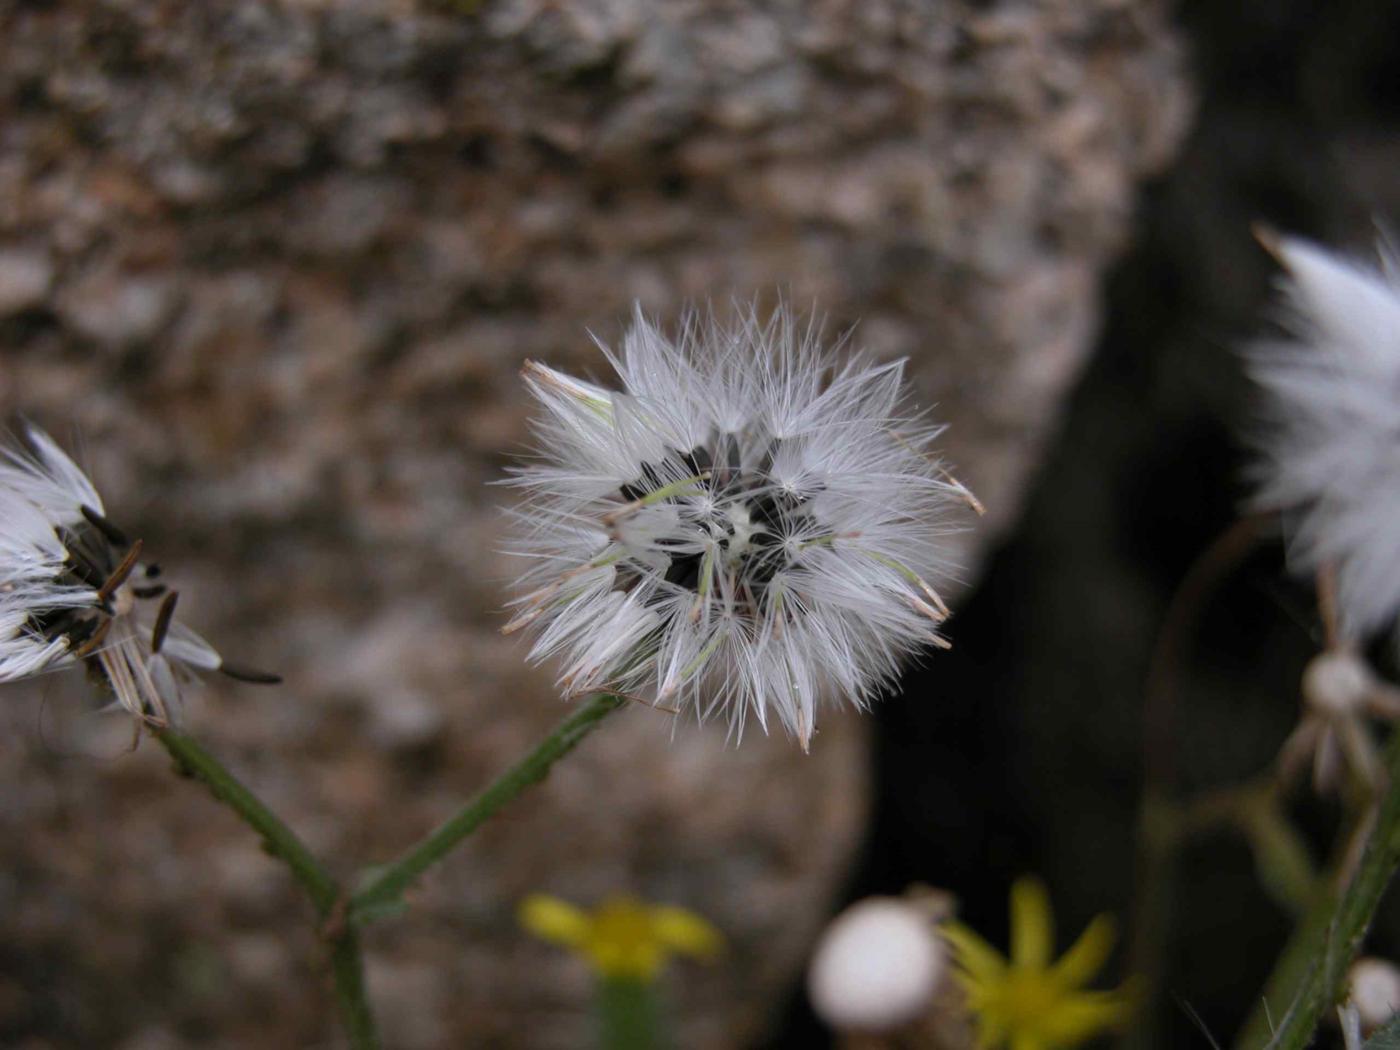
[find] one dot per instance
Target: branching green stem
(1311, 973)
(341, 914)
(280, 841)
(386, 887)
(348, 972)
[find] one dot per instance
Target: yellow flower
(1028, 1002)
(623, 937)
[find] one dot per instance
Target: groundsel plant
(75, 590)
(751, 526)
(1331, 449)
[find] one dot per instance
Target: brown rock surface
(277, 266)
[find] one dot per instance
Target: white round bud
(876, 967)
(1337, 683)
(1374, 991)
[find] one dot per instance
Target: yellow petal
(622, 942)
(635, 961)
(991, 1031)
(1032, 926)
(1086, 956)
(686, 933)
(1027, 1041)
(983, 963)
(552, 919)
(1085, 1014)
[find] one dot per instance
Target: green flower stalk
(626, 942)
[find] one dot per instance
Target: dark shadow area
(1021, 750)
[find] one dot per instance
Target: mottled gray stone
(298, 252)
(25, 277)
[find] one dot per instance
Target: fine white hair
(72, 589)
(1330, 446)
(751, 526)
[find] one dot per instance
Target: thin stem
(1160, 692)
(629, 1015)
(1159, 837)
(283, 843)
(337, 912)
(279, 839)
(1311, 973)
(1290, 971)
(387, 885)
(347, 967)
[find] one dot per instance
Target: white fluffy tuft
(55, 562)
(1331, 450)
(749, 527)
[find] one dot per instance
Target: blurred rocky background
(273, 267)
(1023, 749)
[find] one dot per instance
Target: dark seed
(104, 526)
(120, 573)
(249, 674)
(684, 571)
(162, 624)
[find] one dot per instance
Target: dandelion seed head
(74, 590)
(1330, 449)
(750, 527)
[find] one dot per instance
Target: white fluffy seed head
(751, 526)
(70, 591)
(1374, 989)
(876, 967)
(1331, 447)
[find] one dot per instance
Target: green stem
(1311, 973)
(1165, 828)
(387, 885)
(347, 967)
(280, 841)
(1160, 834)
(1304, 947)
(629, 1015)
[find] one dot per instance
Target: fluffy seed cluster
(1331, 450)
(748, 527)
(73, 588)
